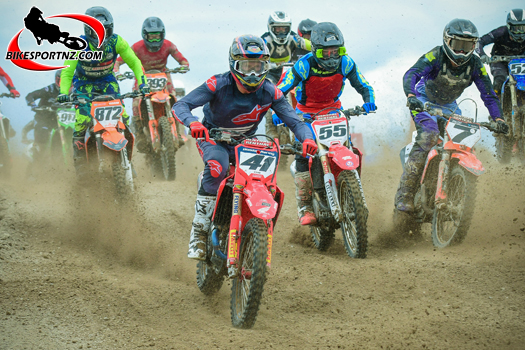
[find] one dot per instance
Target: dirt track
(76, 273)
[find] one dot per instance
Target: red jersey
(156, 60)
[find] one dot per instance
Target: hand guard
(485, 59)
(502, 127)
(62, 98)
(184, 69)
(369, 107)
(414, 104)
(309, 147)
(14, 93)
(199, 131)
(144, 89)
(276, 120)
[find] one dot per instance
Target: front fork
(330, 187)
(442, 181)
(234, 237)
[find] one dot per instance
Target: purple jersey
(225, 107)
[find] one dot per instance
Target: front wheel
(504, 145)
(168, 149)
(5, 158)
(451, 223)
(122, 174)
(247, 288)
(355, 215)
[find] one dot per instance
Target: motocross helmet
(516, 24)
(305, 27)
(153, 33)
(459, 40)
(327, 45)
(280, 26)
(249, 61)
(103, 15)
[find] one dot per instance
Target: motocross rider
(440, 77)
(320, 78)
(153, 51)
(304, 29)
(282, 43)
(96, 76)
(6, 79)
(508, 40)
(235, 100)
(44, 121)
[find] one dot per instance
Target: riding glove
(414, 104)
(369, 107)
(199, 131)
(276, 120)
(309, 147)
(62, 98)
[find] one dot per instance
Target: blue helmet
(249, 61)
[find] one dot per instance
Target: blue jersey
(225, 107)
(318, 89)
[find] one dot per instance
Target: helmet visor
(330, 52)
(462, 45)
(251, 67)
(517, 29)
(154, 37)
(281, 30)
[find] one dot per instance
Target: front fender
(260, 200)
(433, 152)
(470, 162)
(344, 158)
(114, 140)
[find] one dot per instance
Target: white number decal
(263, 163)
(109, 113)
(336, 131)
(462, 133)
(66, 117)
(157, 83)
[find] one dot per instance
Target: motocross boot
(80, 156)
(303, 195)
(140, 139)
(271, 128)
(204, 206)
(404, 200)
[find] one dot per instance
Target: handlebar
(501, 58)
(7, 95)
(131, 75)
(232, 137)
(296, 148)
(75, 98)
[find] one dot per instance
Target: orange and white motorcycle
(162, 128)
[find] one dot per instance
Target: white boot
(204, 206)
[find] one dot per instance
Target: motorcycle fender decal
(98, 127)
(270, 242)
(232, 246)
(160, 97)
(114, 140)
(433, 152)
(344, 158)
(470, 162)
(331, 194)
(153, 127)
(260, 201)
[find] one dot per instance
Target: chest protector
(94, 69)
(447, 87)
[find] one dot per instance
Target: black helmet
(516, 24)
(459, 40)
(103, 15)
(305, 27)
(327, 45)
(249, 61)
(280, 26)
(153, 33)
(57, 77)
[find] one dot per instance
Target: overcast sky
(384, 38)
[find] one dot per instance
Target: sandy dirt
(78, 272)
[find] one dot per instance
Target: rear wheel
(451, 223)
(322, 236)
(355, 215)
(247, 288)
(168, 149)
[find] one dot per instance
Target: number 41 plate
(253, 161)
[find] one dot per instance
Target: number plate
(461, 133)
(331, 130)
(107, 113)
(253, 161)
(157, 81)
(517, 66)
(66, 117)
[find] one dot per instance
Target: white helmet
(280, 26)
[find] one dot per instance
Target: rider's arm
(131, 59)
(66, 76)
(301, 42)
(197, 98)
(285, 112)
(484, 85)
(36, 95)
(424, 65)
(177, 55)
(119, 62)
(6, 79)
(296, 75)
(357, 80)
(490, 38)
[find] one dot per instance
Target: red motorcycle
(447, 193)
(240, 239)
(162, 127)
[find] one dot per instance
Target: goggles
(461, 45)
(281, 29)
(332, 52)
(154, 37)
(517, 29)
(251, 67)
